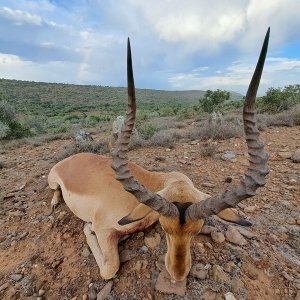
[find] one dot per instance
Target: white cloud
(236, 77)
(20, 17)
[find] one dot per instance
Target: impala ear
(231, 215)
(138, 213)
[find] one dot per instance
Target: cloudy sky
(176, 44)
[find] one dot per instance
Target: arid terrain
(45, 257)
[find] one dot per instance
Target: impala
(116, 197)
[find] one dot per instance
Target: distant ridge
(31, 97)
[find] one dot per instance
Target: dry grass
(98, 147)
(220, 129)
(208, 150)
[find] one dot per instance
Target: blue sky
(176, 45)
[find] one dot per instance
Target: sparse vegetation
(99, 147)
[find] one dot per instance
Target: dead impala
(115, 197)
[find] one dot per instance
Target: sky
(176, 44)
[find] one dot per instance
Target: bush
(10, 127)
(213, 99)
(215, 130)
(278, 99)
(147, 130)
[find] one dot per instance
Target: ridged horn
(257, 170)
(120, 160)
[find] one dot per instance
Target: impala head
(179, 203)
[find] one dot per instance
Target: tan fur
(92, 193)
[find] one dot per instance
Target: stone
(153, 241)
(41, 292)
(297, 295)
(217, 237)
(219, 275)
(229, 155)
(4, 286)
(285, 154)
(165, 285)
(297, 283)
(16, 277)
(229, 267)
(206, 229)
(296, 157)
(237, 286)
(207, 184)
(229, 296)
(200, 248)
(104, 293)
(247, 233)
(208, 245)
(127, 255)
(232, 235)
(199, 271)
(250, 209)
(85, 252)
(62, 215)
(291, 221)
(23, 235)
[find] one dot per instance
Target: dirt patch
(48, 252)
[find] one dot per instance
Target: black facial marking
(182, 207)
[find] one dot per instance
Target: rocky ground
(47, 258)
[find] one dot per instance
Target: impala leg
(91, 240)
(104, 246)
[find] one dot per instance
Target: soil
(50, 252)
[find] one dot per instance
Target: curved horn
(119, 155)
(257, 170)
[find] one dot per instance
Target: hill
(50, 99)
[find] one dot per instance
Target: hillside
(50, 98)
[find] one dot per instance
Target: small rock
(287, 276)
(127, 255)
(153, 241)
(217, 237)
(232, 235)
(237, 286)
(229, 155)
(208, 245)
(219, 275)
(206, 229)
(144, 249)
(290, 221)
(250, 209)
(4, 286)
(297, 283)
(41, 292)
(245, 232)
(104, 293)
(272, 238)
(229, 296)
(200, 247)
(16, 277)
(62, 215)
(23, 235)
(165, 285)
(229, 267)
(296, 157)
(85, 252)
(85, 297)
(207, 184)
(199, 271)
(285, 154)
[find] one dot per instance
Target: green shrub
(279, 99)
(147, 130)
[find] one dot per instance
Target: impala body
(116, 198)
